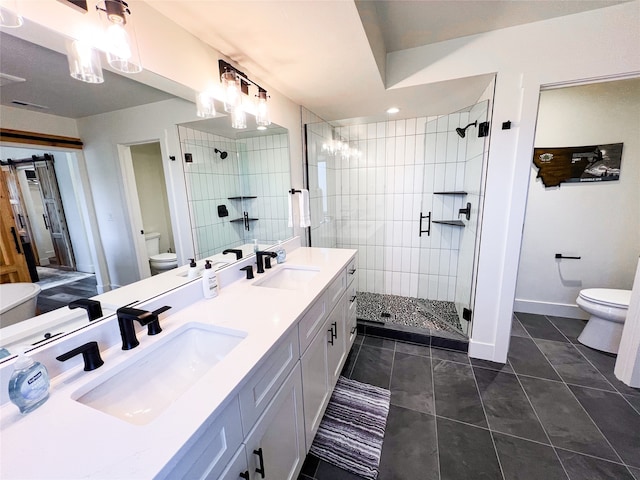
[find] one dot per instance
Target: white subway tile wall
(384, 189)
(257, 166)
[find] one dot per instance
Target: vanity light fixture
(121, 44)
(235, 84)
(205, 105)
(84, 62)
(263, 120)
(231, 87)
(9, 18)
(239, 117)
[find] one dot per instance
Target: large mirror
(148, 165)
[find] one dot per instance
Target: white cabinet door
(237, 468)
(315, 374)
(276, 445)
(338, 337)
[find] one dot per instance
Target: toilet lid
(164, 258)
(607, 296)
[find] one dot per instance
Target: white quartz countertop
(66, 439)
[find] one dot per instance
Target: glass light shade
(263, 119)
(10, 19)
(205, 105)
(232, 91)
(120, 38)
(238, 117)
(84, 62)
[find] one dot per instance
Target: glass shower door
(452, 199)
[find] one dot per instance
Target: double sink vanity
(234, 387)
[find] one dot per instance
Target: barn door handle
(46, 225)
(20, 220)
(15, 239)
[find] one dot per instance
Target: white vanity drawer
(335, 290)
(351, 310)
(207, 453)
(263, 385)
(314, 318)
(352, 268)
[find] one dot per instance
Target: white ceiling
(328, 55)
(325, 55)
(48, 84)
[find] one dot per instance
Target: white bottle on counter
(209, 281)
(193, 269)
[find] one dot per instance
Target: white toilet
(159, 262)
(608, 309)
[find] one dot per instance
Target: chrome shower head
(223, 155)
(461, 131)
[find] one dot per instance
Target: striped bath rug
(351, 432)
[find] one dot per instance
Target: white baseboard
(548, 308)
(483, 351)
(85, 268)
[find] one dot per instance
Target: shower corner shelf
(454, 223)
(242, 197)
(452, 192)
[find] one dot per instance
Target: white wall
(598, 221)
(101, 135)
(589, 45)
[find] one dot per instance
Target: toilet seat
(164, 258)
(607, 297)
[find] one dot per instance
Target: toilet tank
(153, 243)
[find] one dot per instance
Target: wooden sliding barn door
(13, 265)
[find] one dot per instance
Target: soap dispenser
(209, 281)
(193, 270)
(281, 252)
(29, 383)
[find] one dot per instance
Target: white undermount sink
(148, 384)
(288, 278)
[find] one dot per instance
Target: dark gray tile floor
(56, 297)
(554, 411)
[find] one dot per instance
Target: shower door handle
(428, 230)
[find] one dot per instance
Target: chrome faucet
(126, 316)
(93, 308)
(267, 260)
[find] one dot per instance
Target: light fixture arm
(244, 79)
(115, 11)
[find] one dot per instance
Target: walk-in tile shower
(408, 195)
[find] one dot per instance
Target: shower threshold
(428, 322)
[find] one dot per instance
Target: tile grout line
(541, 424)
(581, 406)
(435, 416)
(484, 411)
(575, 348)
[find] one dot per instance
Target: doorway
(148, 200)
(39, 210)
(596, 223)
